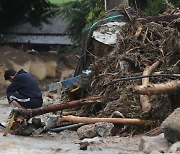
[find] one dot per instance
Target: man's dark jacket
(24, 84)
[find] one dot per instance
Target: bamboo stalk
(88, 120)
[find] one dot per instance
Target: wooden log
(60, 106)
(144, 99)
(73, 119)
(156, 89)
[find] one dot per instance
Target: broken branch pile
(138, 47)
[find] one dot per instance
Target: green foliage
(39, 12)
(155, 7)
(12, 11)
(141, 4)
(78, 14)
(95, 13)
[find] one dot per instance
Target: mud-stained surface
(63, 142)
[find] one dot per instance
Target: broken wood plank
(88, 120)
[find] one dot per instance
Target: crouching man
(23, 91)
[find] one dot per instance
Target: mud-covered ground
(63, 142)
(68, 141)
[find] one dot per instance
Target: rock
(50, 121)
(175, 148)
(104, 129)
(17, 67)
(117, 114)
(37, 122)
(27, 131)
(92, 140)
(171, 126)
(51, 68)
(95, 149)
(83, 145)
(87, 131)
(148, 144)
(155, 152)
(38, 69)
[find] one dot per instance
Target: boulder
(104, 129)
(148, 144)
(175, 148)
(171, 126)
(51, 68)
(17, 67)
(38, 70)
(87, 131)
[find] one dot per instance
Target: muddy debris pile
(143, 47)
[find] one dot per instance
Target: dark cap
(9, 73)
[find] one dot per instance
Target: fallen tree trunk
(155, 89)
(73, 119)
